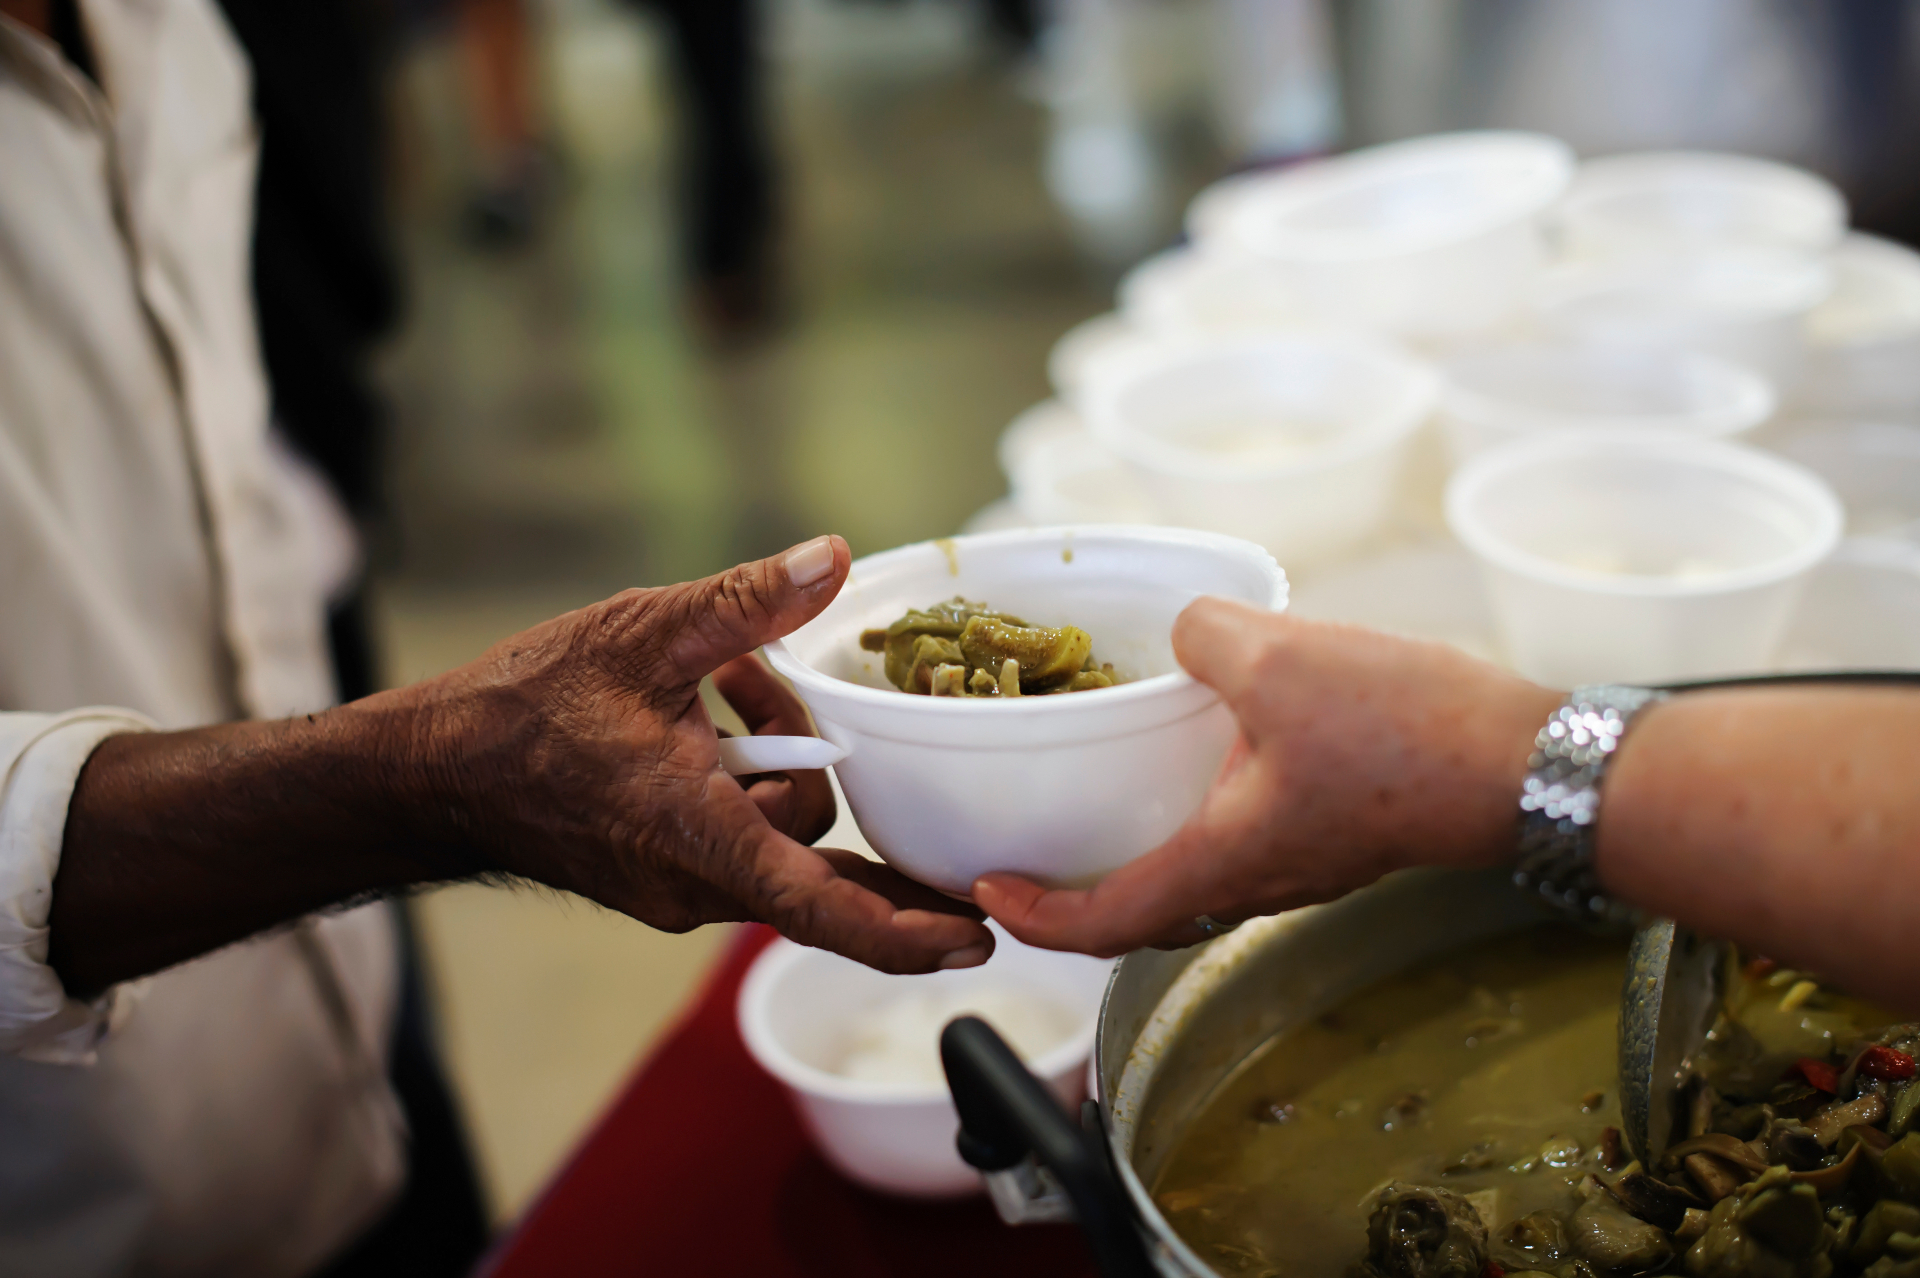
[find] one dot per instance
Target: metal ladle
(1671, 996)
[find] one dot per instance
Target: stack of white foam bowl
(1252, 382)
(1701, 297)
(1695, 251)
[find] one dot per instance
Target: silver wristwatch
(1560, 802)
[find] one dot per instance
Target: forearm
(1787, 820)
(178, 843)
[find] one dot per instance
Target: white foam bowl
(1640, 557)
(1501, 393)
(1686, 200)
(1062, 789)
(1863, 342)
(1213, 209)
(1190, 291)
(1046, 421)
(1746, 305)
(1860, 610)
(1089, 345)
(798, 1008)
(1874, 467)
(1430, 237)
(1295, 441)
(1074, 479)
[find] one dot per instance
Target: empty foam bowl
(1087, 346)
(1295, 441)
(858, 1051)
(1187, 290)
(1873, 466)
(1863, 342)
(1512, 391)
(1640, 557)
(1076, 480)
(1661, 201)
(1746, 305)
(1430, 237)
(1048, 420)
(1860, 610)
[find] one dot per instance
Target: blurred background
(658, 287)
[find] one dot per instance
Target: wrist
(1495, 743)
(395, 748)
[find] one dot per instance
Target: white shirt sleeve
(40, 759)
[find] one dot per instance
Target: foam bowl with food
(1062, 789)
(858, 1050)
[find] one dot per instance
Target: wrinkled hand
(1359, 753)
(578, 754)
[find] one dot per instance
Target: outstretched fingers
(702, 625)
(1151, 901)
(849, 905)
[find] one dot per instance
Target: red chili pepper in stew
(1818, 1073)
(1886, 1064)
(1493, 1270)
(1760, 966)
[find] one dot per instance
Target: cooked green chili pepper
(961, 648)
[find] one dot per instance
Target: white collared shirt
(230, 1115)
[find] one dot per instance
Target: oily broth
(1507, 1040)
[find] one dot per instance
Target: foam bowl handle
(746, 756)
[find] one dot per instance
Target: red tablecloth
(701, 1168)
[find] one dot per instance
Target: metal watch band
(1560, 803)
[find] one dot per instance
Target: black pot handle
(1006, 1114)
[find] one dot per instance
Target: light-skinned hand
(1359, 753)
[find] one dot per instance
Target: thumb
(705, 624)
(1218, 642)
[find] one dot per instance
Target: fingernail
(971, 956)
(810, 562)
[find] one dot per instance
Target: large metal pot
(1173, 1027)
(1176, 1024)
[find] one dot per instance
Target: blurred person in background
(727, 178)
(725, 158)
(194, 1065)
(496, 44)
